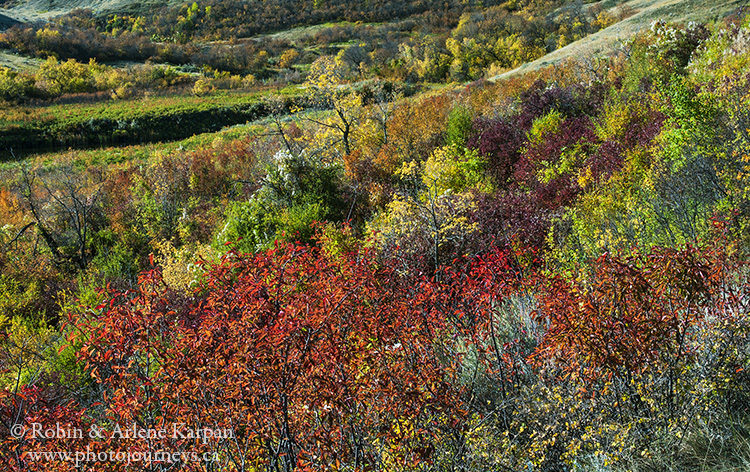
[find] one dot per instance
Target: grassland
(133, 153)
(29, 10)
(18, 62)
(126, 122)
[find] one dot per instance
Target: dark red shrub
(499, 142)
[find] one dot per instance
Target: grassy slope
(81, 158)
(17, 61)
(29, 10)
(646, 11)
(31, 130)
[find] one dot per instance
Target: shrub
(459, 126)
(295, 192)
(498, 142)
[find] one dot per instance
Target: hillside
(309, 235)
(7, 22)
(263, 15)
(646, 12)
(29, 10)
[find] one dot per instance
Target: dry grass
(29, 10)
(17, 62)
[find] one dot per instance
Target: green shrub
(459, 126)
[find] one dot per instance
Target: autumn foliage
(547, 273)
(310, 361)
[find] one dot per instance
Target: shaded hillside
(7, 22)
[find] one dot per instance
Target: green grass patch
(31, 130)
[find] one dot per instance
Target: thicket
(419, 41)
(54, 79)
(540, 274)
(82, 43)
(241, 19)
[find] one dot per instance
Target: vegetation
(547, 273)
(421, 40)
(83, 125)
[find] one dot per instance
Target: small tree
(65, 209)
(327, 81)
